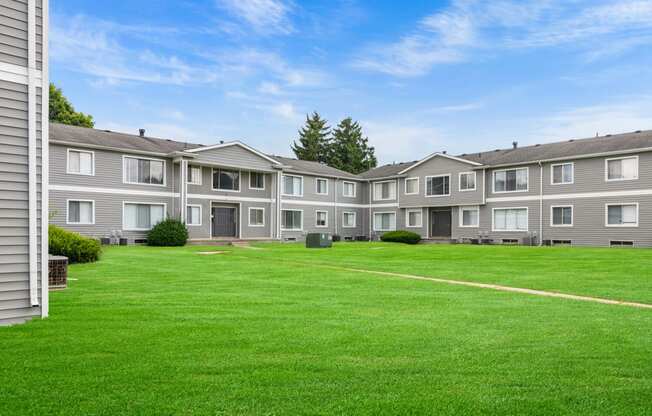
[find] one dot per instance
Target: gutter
(540, 204)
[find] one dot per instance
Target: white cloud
(264, 16)
(285, 110)
(398, 141)
(456, 108)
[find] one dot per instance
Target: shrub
(401, 236)
(78, 249)
(168, 233)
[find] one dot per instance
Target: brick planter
(58, 272)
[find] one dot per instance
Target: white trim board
(608, 194)
(113, 191)
(427, 158)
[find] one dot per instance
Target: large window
(384, 190)
(292, 220)
(563, 174)
(256, 217)
(469, 216)
(81, 162)
(348, 219)
(81, 212)
(467, 181)
(384, 221)
(194, 175)
(622, 215)
(321, 219)
(321, 186)
(411, 186)
(413, 218)
(510, 219)
(193, 215)
(622, 169)
(226, 180)
(561, 216)
(348, 189)
(438, 185)
(256, 180)
(142, 216)
(511, 180)
(292, 185)
(144, 171)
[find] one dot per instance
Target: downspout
(335, 205)
(540, 204)
(183, 187)
(32, 156)
(398, 205)
(278, 206)
(370, 185)
(484, 186)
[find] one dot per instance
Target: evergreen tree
(61, 111)
(349, 149)
(313, 139)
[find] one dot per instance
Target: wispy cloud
(263, 16)
(456, 108)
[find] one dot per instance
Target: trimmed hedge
(401, 236)
(168, 233)
(77, 248)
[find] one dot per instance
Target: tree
(349, 149)
(313, 139)
(61, 111)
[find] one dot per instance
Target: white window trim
(552, 174)
(493, 220)
(124, 171)
(355, 189)
(201, 214)
(475, 181)
(283, 187)
(264, 181)
(201, 175)
(384, 199)
(461, 216)
(407, 218)
(69, 172)
(384, 212)
(163, 204)
(552, 210)
(68, 201)
(414, 178)
(606, 215)
(606, 168)
(425, 188)
(317, 212)
(493, 182)
(317, 186)
(259, 209)
(226, 190)
(292, 229)
(355, 219)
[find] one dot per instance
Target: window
(438, 185)
(144, 171)
(413, 218)
(256, 180)
(510, 219)
(562, 216)
(622, 215)
(321, 218)
(81, 162)
(469, 216)
(226, 180)
(292, 185)
(193, 215)
(321, 186)
(142, 216)
(563, 174)
(467, 181)
(384, 221)
(348, 189)
(384, 190)
(411, 186)
(511, 180)
(81, 212)
(194, 175)
(348, 219)
(622, 169)
(292, 220)
(256, 217)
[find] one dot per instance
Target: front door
(440, 223)
(224, 222)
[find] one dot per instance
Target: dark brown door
(440, 223)
(224, 222)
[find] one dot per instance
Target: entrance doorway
(440, 223)
(224, 221)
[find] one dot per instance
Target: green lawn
(272, 331)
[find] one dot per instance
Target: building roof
(307, 166)
(386, 171)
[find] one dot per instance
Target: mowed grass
(271, 332)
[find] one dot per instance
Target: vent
(141, 132)
(620, 243)
(510, 241)
(638, 131)
(561, 243)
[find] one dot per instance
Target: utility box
(319, 240)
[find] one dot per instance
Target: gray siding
(534, 184)
(13, 32)
(206, 187)
(233, 156)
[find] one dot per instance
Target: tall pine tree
(349, 149)
(313, 140)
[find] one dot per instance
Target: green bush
(401, 236)
(168, 233)
(78, 249)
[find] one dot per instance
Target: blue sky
(420, 76)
